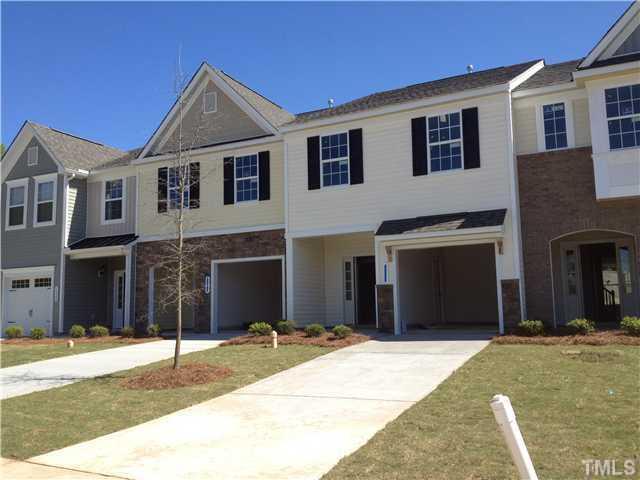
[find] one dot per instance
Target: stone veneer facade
(557, 197)
(241, 245)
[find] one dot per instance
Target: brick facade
(511, 303)
(240, 245)
(557, 197)
(386, 315)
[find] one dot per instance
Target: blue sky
(105, 70)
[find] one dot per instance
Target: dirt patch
(166, 377)
(26, 341)
(592, 356)
(299, 338)
(609, 337)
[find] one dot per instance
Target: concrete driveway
(294, 425)
(35, 376)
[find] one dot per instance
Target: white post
(506, 418)
(128, 282)
(274, 337)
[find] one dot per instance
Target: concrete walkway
(35, 376)
(294, 425)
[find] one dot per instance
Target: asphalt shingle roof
(96, 242)
(444, 86)
(75, 152)
(446, 222)
(553, 74)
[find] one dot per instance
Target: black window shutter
(264, 180)
(162, 189)
(194, 185)
(228, 180)
(313, 162)
(355, 156)
(470, 138)
(419, 145)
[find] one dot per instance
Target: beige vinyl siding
(390, 191)
(213, 214)
(524, 130)
(95, 228)
(581, 122)
(308, 281)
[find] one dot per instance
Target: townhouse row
(479, 199)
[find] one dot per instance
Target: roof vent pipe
(469, 68)
(330, 102)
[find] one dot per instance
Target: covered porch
(98, 282)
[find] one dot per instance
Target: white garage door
(28, 302)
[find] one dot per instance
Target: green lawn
(44, 421)
(11, 355)
(568, 409)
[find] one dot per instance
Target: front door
(365, 290)
(118, 298)
(600, 282)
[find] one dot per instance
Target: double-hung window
(445, 142)
(334, 159)
(555, 126)
(16, 205)
(113, 200)
(45, 201)
(174, 185)
(246, 169)
(623, 116)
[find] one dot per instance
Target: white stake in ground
(506, 418)
(274, 337)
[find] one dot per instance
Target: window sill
(244, 203)
(112, 222)
(335, 187)
(43, 224)
(15, 227)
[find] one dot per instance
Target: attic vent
(32, 156)
(210, 102)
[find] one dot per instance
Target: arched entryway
(594, 276)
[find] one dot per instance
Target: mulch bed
(26, 341)
(299, 338)
(185, 376)
(607, 337)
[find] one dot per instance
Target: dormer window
(32, 156)
(210, 101)
(623, 116)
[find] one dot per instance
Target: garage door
(28, 302)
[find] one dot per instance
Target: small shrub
(631, 326)
(127, 332)
(341, 331)
(260, 328)
(77, 331)
(154, 330)
(285, 327)
(530, 328)
(14, 331)
(37, 333)
(98, 331)
(314, 330)
(581, 326)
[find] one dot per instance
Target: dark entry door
(365, 291)
(600, 284)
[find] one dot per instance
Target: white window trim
(451, 170)
(619, 117)
(204, 102)
(187, 189)
(52, 177)
(29, 150)
(235, 181)
(339, 159)
(23, 182)
(103, 201)
(568, 116)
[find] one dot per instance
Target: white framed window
(32, 156)
(21, 283)
(246, 178)
(44, 200)
(16, 210)
(444, 138)
(210, 102)
(334, 159)
(113, 197)
(623, 116)
(554, 123)
(42, 282)
(173, 187)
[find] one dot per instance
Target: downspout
(63, 244)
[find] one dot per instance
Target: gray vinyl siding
(76, 210)
(45, 165)
(85, 293)
(94, 211)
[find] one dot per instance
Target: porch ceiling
(443, 223)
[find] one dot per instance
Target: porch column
(498, 258)
(129, 282)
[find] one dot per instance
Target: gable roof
(444, 86)
(75, 152)
(554, 74)
(592, 60)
